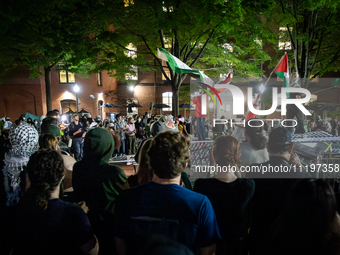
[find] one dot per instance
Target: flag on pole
(180, 67)
(282, 70)
(251, 115)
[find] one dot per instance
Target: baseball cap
(53, 130)
(280, 136)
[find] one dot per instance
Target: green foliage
(334, 114)
(313, 34)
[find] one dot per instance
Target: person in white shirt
(254, 150)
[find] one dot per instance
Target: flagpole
(275, 69)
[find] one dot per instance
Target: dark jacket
(269, 197)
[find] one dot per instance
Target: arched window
(167, 99)
(68, 105)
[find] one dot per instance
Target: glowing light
(100, 96)
(63, 117)
(76, 88)
(132, 88)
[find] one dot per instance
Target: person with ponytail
(229, 196)
(45, 224)
(254, 150)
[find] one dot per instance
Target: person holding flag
(282, 70)
(197, 101)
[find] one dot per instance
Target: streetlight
(76, 90)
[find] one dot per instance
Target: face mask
(139, 119)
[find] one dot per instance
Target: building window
(284, 40)
(66, 77)
(132, 51)
(167, 99)
(133, 76)
(68, 106)
(99, 79)
(167, 71)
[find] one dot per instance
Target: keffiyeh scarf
(24, 139)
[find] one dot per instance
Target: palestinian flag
(180, 67)
(251, 115)
(282, 70)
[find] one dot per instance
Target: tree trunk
(175, 100)
(48, 88)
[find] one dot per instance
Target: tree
(311, 28)
(40, 34)
(203, 34)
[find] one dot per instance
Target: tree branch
(203, 48)
(156, 58)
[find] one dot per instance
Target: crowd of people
(54, 200)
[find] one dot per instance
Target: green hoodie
(93, 179)
(98, 145)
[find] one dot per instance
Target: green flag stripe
(206, 91)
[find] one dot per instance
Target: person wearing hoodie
(98, 183)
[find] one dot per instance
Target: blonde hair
(48, 141)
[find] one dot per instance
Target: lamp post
(76, 90)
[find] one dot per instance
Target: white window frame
(167, 99)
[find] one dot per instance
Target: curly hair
(226, 150)
(258, 140)
(45, 171)
(168, 154)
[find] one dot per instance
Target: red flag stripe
(212, 89)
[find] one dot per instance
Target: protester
(98, 184)
(44, 223)
(50, 141)
(181, 126)
(254, 149)
(294, 111)
(140, 129)
(326, 126)
(229, 196)
(190, 213)
(200, 117)
(8, 123)
(335, 126)
(319, 123)
(47, 122)
(119, 127)
(272, 188)
(145, 172)
(131, 136)
(311, 126)
(23, 139)
(309, 223)
(77, 133)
